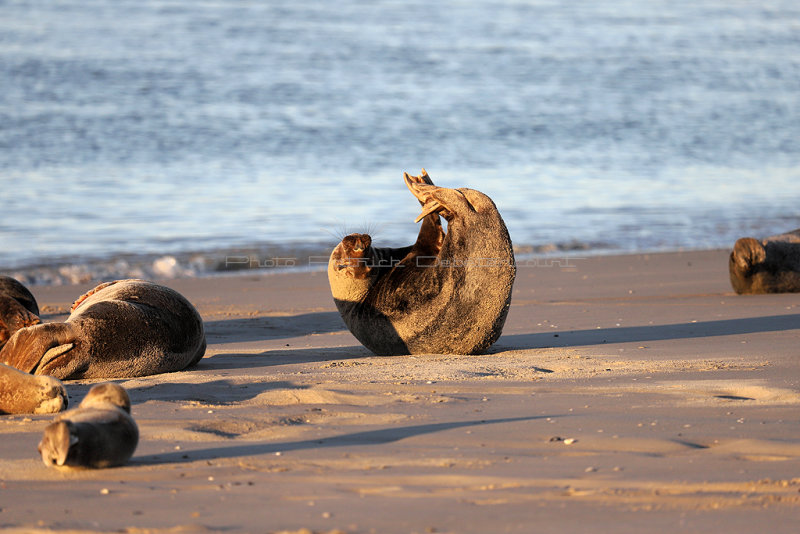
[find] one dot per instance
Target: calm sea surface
(157, 128)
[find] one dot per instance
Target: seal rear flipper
(423, 178)
(56, 442)
(437, 200)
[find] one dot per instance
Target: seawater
(171, 129)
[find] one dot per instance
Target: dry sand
(627, 394)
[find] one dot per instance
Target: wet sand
(627, 394)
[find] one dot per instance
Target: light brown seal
(24, 393)
(447, 293)
(768, 266)
(119, 329)
(18, 308)
(100, 432)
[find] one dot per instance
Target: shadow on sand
(219, 392)
(632, 334)
(569, 338)
(370, 437)
(272, 327)
(241, 360)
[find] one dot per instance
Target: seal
(18, 308)
(24, 393)
(100, 432)
(448, 293)
(118, 329)
(768, 266)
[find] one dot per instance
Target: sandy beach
(629, 393)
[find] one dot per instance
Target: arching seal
(24, 393)
(100, 432)
(446, 293)
(18, 308)
(768, 266)
(119, 329)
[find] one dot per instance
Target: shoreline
(248, 261)
(627, 393)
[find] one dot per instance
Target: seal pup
(448, 293)
(100, 432)
(768, 266)
(18, 308)
(118, 329)
(24, 393)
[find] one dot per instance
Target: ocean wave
(65, 271)
(260, 260)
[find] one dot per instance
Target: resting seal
(18, 308)
(448, 293)
(119, 329)
(769, 266)
(100, 432)
(24, 393)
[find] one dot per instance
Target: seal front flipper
(431, 234)
(27, 348)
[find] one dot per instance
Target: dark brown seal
(768, 266)
(24, 393)
(118, 329)
(447, 293)
(100, 432)
(18, 308)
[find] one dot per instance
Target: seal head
(768, 266)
